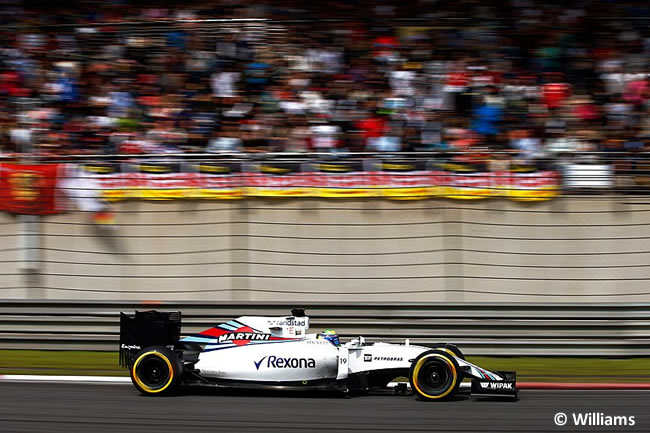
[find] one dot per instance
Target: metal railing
(536, 329)
(602, 173)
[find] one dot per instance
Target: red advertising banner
(407, 179)
(276, 179)
(342, 179)
(397, 179)
(29, 189)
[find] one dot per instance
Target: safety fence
(479, 329)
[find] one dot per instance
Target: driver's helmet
(330, 335)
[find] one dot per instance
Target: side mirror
(355, 343)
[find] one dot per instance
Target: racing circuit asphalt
(61, 407)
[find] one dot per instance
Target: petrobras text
(388, 358)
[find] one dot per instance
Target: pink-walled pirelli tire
(435, 375)
(157, 370)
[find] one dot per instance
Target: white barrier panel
(588, 176)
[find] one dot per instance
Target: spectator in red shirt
(372, 127)
(555, 92)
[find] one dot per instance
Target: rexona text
(281, 362)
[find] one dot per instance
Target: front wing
(496, 388)
(485, 383)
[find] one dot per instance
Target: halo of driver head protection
(331, 336)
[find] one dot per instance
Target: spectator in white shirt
(224, 84)
(225, 140)
(324, 137)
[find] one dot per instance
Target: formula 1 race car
(277, 352)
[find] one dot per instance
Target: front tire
(157, 370)
(435, 375)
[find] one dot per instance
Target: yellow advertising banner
(395, 180)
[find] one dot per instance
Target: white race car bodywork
(279, 349)
(254, 351)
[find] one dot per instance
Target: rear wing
(147, 328)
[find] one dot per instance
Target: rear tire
(435, 375)
(157, 370)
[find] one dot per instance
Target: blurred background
(466, 171)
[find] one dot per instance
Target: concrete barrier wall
(587, 249)
(11, 266)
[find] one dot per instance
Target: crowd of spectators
(526, 78)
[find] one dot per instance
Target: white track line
(85, 379)
(76, 379)
(33, 378)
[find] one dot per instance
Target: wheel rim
(434, 377)
(153, 372)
